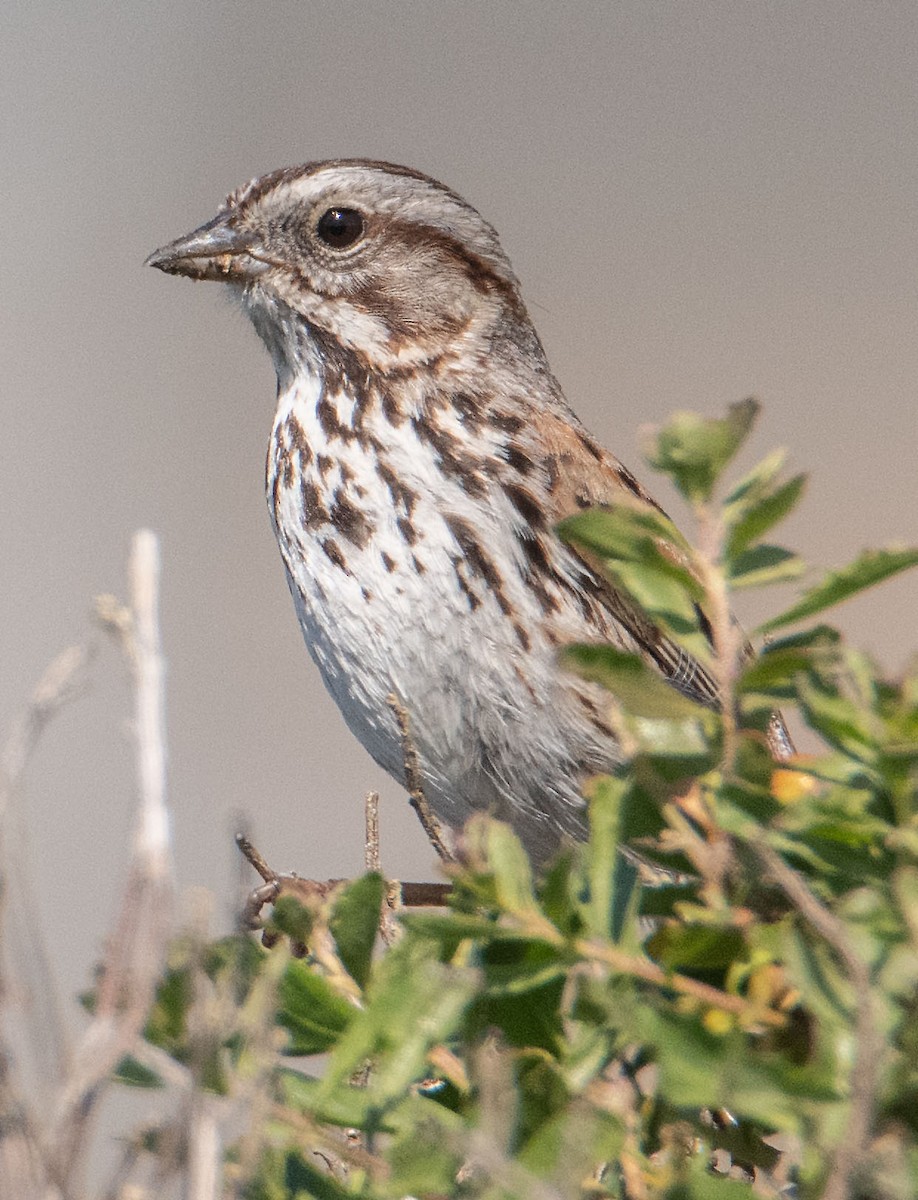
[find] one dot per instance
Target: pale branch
(29, 1000)
(137, 948)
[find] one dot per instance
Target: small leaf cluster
(716, 995)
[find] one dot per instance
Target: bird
(421, 456)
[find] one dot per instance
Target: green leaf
(774, 671)
(614, 892)
(759, 509)
(413, 1001)
(354, 924)
(763, 565)
(640, 690)
(634, 531)
(694, 450)
(310, 1010)
(870, 568)
(512, 870)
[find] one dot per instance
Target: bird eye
(340, 228)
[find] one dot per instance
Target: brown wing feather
(583, 475)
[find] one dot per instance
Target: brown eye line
(340, 228)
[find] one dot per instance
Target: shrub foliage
(730, 1007)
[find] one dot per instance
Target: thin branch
(31, 1014)
(852, 1147)
(137, 949)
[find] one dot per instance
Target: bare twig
(31, 1015)
(414, 782)
(137, 949)
(371, 860)
(852, 1147)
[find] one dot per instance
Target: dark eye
(340, 227)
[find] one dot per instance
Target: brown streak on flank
(314, 511)
(538, 571)
(473, 599)
(526, 505)
(507, 422)
(407, 530)
(471, 411)
(333, 553)
(525, 682)
(521, 636)
(480, 564)
(391, 410)
(349, 520)
(517, 458)
(418, 565)
(399, 491)
(275, 499)
(451, 460)
(388, 561)
(325, 464)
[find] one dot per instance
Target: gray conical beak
(215, 251)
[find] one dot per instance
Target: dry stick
(414, 783)
(137, 949)
(852, 1148)
(44, 1026)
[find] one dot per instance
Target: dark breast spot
(328, 418)
(348, 519)
(407, 530)
(333, 554)
(314, 511)
(297, 440)
(452, 460)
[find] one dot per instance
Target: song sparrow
(422, 452)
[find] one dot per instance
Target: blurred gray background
(703, 200)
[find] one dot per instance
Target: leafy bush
(734, 1000)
